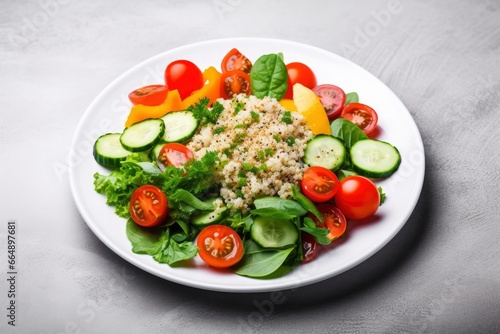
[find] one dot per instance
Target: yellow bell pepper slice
(309, 105)
(288, 104)
(140, 112)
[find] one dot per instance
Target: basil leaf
(351, 97)
(346, 130)
(262, 264)
(268, 77)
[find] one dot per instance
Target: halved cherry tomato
(148, 206)
(358, 197)
(174, 154)
(184, 76)
(235, 82)
(309, 247)
(220, 246)
(319, 184)
(151, 95)
(332, 98)
(361, 115)
(235, 60)
(333, 219)
(299, 73)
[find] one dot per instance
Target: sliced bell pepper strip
(141, 112)
(210, 89)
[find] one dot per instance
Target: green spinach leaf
(346, 130)
(184, 196)
(351, 97)
(158, 243)
(319, 233)
(269, 76)
(260, 264)
(306, 203)
(270, 204)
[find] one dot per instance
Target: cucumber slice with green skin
(143, 135)
(326, 151)
(108, 151)
(274, 233)
(155, 151)
(205, 218)
(180, 126)
(374, 158)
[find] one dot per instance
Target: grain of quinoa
(260, 146)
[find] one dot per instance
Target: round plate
(108, 113)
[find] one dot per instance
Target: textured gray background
(439, 274)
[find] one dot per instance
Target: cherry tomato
(220, 246)
(151, 95)
(357, 197)
(332, 98)
(148, 206)
(309, 247)
(184, 76)
(299, 73)
(235, 60)
(333, 219)
(361, 115)
(174, 154)
(319, 184)
(235, 82)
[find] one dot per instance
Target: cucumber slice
(374, 158)
(274, 233)
(108, 151)
(180, 126)
(205, 218)
(326, 151)
(155, 151)
(143, 135)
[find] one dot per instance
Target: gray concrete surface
(440, 274)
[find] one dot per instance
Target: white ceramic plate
(109, 110)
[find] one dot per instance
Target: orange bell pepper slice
(210, 89)
(140, 112)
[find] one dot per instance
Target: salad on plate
(251, 165)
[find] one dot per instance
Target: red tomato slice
(361, 115)
(152, 95)
(299, 73)
(174, 154)
(184, 76)
(319, 184)
(148, 206)
(357, 197)
(333, 219)
(235, 82)
(235, 60)
(332, 98)
(309, 247)
(219, 246)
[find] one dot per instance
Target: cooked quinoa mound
(260, 146)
